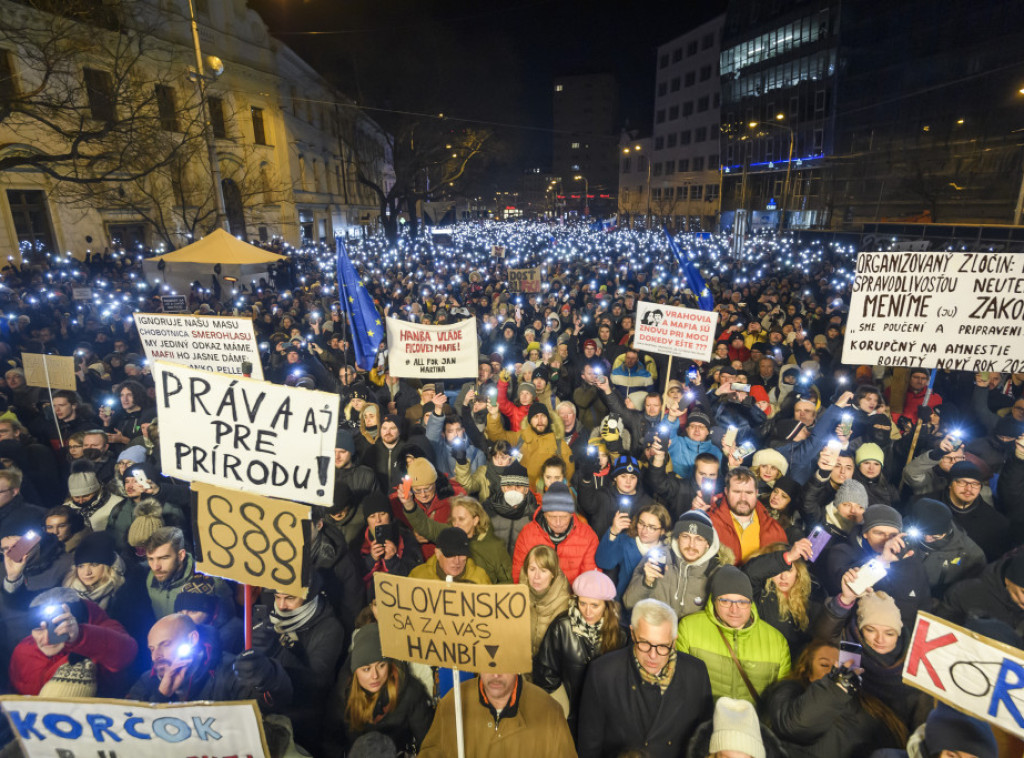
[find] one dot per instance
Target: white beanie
(736, 728)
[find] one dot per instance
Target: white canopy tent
(198, 261)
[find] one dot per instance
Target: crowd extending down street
(696, 538)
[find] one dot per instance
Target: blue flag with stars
(693, 278)
(365, 324)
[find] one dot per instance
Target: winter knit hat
(789, 485)
(625, 464)
(422, 472)
(452, 541)
(729, 580)
(696, 417)
(695, 522)
(879, 609)
(869, 451)
(931, 516)
(529, 387)
(148, 516)
(851, 491)
(881, 515)
(965, 470)
(198, 594)
(949, 729)
(82, 481)
(376, 502)
(538, 408)
(344, 440)
(771, 457)
(558, 498)
(736, 728)
(96, 547)
(135, 454)
(515, 475)
(595, 585)
(365, 647)
(71, 680)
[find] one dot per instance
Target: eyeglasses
(969, 484)
(727, 603)
(642, 527)
(423, 490)
(645, 647)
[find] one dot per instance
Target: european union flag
(364, 322)
(693, 277)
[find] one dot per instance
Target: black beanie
(376, 502)
(1014, 570)
(789, 485)
(96, 547)
(729, 580)
(536, 408)
(931, 516)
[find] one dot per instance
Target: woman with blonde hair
(589, 628)
(376, 694)
(786, 595)
(549, 591)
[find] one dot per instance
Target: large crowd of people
(723, 557)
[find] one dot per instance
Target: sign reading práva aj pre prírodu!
(957, 311)
(211, 343)
(246, 435)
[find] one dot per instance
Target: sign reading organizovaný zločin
(957, 311)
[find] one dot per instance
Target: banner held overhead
(671, 330)
(211, 343)
(434, 351)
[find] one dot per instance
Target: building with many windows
(286, 144)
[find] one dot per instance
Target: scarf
(833, 518)
(589, 633)
(644, 549)
(87, 509)
(288, 623)
(101, 592)
(663, 678)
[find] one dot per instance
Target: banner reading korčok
(957, 311)
(435, 351)
(246, 435)
(670, 330)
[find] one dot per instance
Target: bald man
(187, 666)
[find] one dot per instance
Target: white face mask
(514, 498)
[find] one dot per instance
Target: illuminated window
(559, 87)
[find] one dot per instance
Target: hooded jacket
(953, 559)
(536, 448)
(760, 647)
(684, 588)
(721, 517)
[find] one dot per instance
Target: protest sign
(246, 435)
(524, 280)
(498, 251)
(213, 343)
(54, 371)
(436, 352)
(679, 332)
(173, 303)
(967, 671)
(472, 627)
(81, 293)
(91, 727)
(958, 311)
(252, 539)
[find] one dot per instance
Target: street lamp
(789, 162)
(586, 193)
(211, 148)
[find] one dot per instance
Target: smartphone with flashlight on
(49, 614)
(819, 538)
(658, 557)
(23, 546)
(868, 575)
(846, 425)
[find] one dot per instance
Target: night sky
(485, 63)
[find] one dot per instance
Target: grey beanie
(365, 647)
(852, 491)
(729, 580)
(881, 515)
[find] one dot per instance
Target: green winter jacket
(761, 648)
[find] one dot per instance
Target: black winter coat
(407, 723)
(563, 658)
(990, 529)
(619, 712)
(984, 596)
(822, 721)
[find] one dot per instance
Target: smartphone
(658, 556)
(745, 449)
(819, 537)
(846, 425)
(834, 445)
(956, 440)
(438, 388)
(707, 490)
(382, 533)
(48, 614)
(739, 387)
(729, 438)
(260, 615)
(625, 504)
(850, 651)
(492, 396)
(868, 576)
(405, 488)
(22, 547)
(692, 374)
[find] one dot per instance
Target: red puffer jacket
(575, 553)
(100, 639)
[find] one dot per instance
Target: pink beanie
(594, 585)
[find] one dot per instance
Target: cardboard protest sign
(524, 280)
(967, 671)
(436, 351)
(246, 435)
(670, 330)
(84, 727)
(498, 251)
(252, 539)
(173, 303)
(959, 311)
(213, 343)
(54, 371)
(472, 627)
(81, 293)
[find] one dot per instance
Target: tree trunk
(414, 220)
